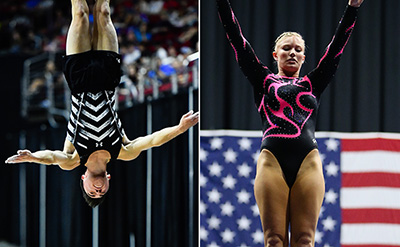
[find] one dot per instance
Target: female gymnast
(92, 68)
(289, 185)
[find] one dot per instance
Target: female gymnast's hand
(355, 3)
(188, 120)
(21, 156)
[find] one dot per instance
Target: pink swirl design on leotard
(350, 29)
(244, 40)
(276, 84)
(234, 20)
(348, 33)
(309, 93)
(261, 104)
(234, 49)
(240, 29)
(326, 52)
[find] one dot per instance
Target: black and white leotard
(94, 125)
(288, 106)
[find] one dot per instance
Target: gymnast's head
(94, 187)
(289, 53)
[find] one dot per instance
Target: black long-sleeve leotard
(288, 106)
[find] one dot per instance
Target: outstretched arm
(47, 157)
(67, 159)
(329, 62)
(252, 68)
(133, 148)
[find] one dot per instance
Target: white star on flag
(202, 207)
(213, 222)
(203, 233)
(318, 236)
(245, 144)
(256, 211)
(227, 208)
(332, 169)
(331, 196)
(213, 244)
(215, 169)
(243, 223)
(202, 180)
(244, 170)
(227, 236)
(332, 145)
(230, 156)
(229, 182)
(203, 155)
(243, 196)
(214, 196)
(258, 237)
(329, 224)
(216, 143)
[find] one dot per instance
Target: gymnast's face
(96, 186)
(289, 54)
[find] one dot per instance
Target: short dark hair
(92, 202)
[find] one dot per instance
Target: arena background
(364, 93)
(43, 205)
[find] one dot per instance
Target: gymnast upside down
(289, 185)
(92, 68)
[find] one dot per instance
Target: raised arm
(251, 66)
(329, 62)
(132, 149)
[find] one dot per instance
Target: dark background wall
(68, 217)
(364, 95)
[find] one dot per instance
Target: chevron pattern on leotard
(94, 123)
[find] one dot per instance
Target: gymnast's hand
(355, 3)
(188, 120)
(21, 156)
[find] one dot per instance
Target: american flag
(362, 198)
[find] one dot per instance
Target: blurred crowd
(155, 36)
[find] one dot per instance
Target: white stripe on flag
(371, 161)
(237, 133)
(370, 197)
(361, 135)
(370, 234)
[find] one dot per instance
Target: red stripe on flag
(376, 179)
(371, 144)
(371, 215)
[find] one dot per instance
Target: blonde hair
(288, 34)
